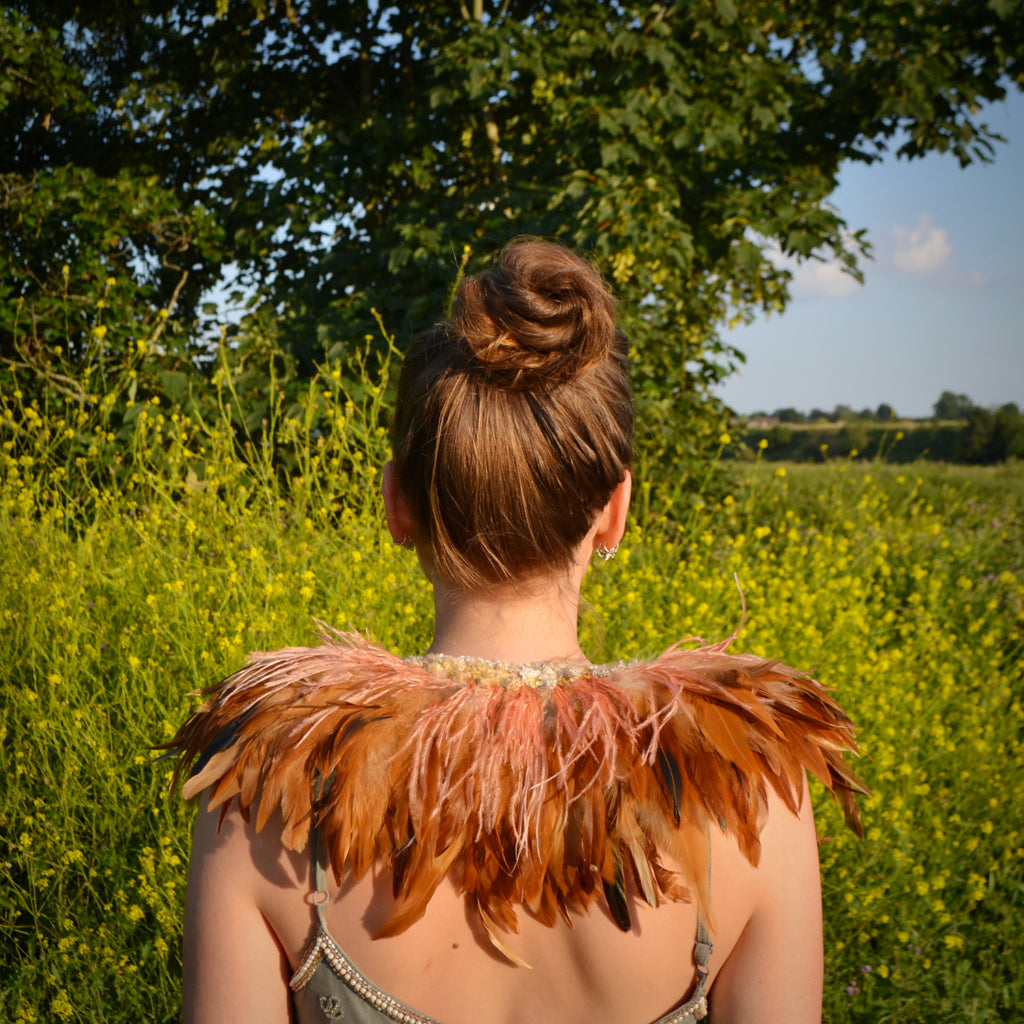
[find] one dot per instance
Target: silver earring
(606, 553)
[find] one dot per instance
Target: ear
(611, 523)
(396, 509)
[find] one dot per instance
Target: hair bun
(540, 317)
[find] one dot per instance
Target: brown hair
(514, 418)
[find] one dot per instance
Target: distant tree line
(958, 431)
(948, 406)
(840, 414)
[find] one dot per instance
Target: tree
(953, 407)
(885, 412)
(789, 415)
(978, 441)
(989, 437)
(1008, 426)
(345, 157)
(93, 243)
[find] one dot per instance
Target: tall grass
(136, 571)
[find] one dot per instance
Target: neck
(531, 621)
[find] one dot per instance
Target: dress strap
(318, 855)
(702, 950)
(703, 947)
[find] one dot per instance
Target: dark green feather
(615, 894)
(672, 781)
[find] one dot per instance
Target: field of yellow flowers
(132, 575)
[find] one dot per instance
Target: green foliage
(340, 157)
(125, 440)
(122, 596)
(143, 590)
(992, 436)
(80, 209)
(952, 406)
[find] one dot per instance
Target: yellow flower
(99, 332)
(724, 439)
(763, 443)
(62, 1006)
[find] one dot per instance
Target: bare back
(766, 964)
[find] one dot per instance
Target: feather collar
(536, 787)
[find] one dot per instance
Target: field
(901, 587)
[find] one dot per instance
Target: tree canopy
(951, 406)
(330, 159)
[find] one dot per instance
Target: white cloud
(921, 250)
(814, 277)
(829, 279)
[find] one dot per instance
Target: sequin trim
(332, 1009)
(323, 947)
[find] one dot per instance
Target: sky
(942, 306)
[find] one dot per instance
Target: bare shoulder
(235, 967)
(773, 970)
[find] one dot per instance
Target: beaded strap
(323, 947)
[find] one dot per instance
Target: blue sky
(942, 306)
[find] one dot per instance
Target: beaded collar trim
(510, 674)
